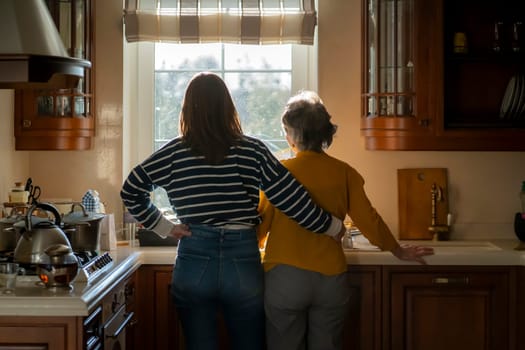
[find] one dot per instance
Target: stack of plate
(513, 104)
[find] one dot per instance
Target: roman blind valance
(228, 21)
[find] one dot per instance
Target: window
(261, 78)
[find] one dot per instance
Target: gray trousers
(305, 309)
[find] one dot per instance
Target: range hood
(32, 54)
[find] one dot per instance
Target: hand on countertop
(413, 253)
(180, 230)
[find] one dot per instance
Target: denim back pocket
(189, 280)
(250, 275)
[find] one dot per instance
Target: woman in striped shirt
(213, 174)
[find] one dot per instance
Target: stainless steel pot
(8, 234)
(83, 228)
(38, 235)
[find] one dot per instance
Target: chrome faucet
(441, 232)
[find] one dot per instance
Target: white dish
(507, 98)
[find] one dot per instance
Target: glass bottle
(496, 44)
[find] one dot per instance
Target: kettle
(38, 235)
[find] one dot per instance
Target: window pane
(260, 99)
(187, 56)
(257, 57)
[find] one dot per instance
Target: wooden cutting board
(415, 201)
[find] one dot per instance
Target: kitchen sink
(362, 244)
(453, 246)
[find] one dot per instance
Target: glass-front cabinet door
(389, 84)
(61, 119)
(395, 108)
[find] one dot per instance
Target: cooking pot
(8, 235)
(37, 234)
(58, 266)
(83, 228)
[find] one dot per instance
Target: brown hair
(209, 123)
(307, 121)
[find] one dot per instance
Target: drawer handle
(124, 324)
(450, 280)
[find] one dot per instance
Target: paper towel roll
(108, 237)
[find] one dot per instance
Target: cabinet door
(401, 75)
(35, 333)
(520, 309)
(61, 119)
(448, 308)
(363, 325)
(158, 323)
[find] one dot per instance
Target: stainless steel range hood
(31, 51)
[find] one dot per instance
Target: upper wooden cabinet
(63, 119)
(443, 75)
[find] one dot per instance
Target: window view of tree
(259, 79)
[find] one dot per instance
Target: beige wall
(483, 185)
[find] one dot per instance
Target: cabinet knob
(26, 123)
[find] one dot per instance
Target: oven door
(115, 329)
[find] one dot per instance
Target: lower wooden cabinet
(159, 326)
(363, 324)
(467, 307)
(519, 311)
(402, 307)
(40, 333)
(157, 318)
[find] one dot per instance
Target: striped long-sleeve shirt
(227, 193)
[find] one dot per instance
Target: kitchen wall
(483, 185)
(14, 165)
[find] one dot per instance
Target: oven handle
(122, 326)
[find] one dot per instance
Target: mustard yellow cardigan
(339, 189)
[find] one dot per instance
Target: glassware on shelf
(496, 44)
(390, 56)
(515, 43)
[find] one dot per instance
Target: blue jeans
(219, 270)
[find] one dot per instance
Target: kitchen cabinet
(433, 77)
(519, 310)
(449, 307)
(40, 333)
(362, 330)
(64, 119)
(159, 325)
(392, 307)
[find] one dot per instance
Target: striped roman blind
(227, 21)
